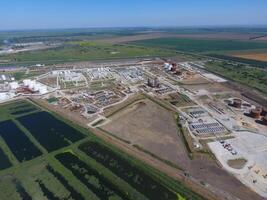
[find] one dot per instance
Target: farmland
(85, 51)
(55, 159)
(200, 45)
(252, 56)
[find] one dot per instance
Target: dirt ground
(237, 163)
(253, 56)
(210, 87)
(261, 38)
(197, 79)
(151, 127)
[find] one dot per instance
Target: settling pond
(49, 131)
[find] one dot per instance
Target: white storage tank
(3, 96)
(26, 82)
(43, 90)
(14, 85)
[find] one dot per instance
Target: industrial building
(35, 86)
(255, 113)
(197, 112)
(207, 128)
(264, 120)
(237, 103)
(153, 83)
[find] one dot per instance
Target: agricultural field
(46, 157)
(252, 56)
(63, 35)
(141, 125)
(85, 51)
(200, 45)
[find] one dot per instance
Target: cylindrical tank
(228, 101)
(255, 113)
(264, 120)
(246, 105)
(237, 103)
(264, 111)
(14, 85)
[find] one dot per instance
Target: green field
(200, 46)
(254, 63)
(250, 76)
(72, 172)
(86, 51)
(63, 35)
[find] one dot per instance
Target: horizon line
(136, 27)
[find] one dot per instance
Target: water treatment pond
(20, 145)
(49, 131)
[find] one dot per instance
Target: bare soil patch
(253, 56)
(210, 87)
(197, 79)
(151, 127)
(237, 163)
(261, 38)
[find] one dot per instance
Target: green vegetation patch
(83, 51)
(200, 46)
(249, 76)
(254, 63)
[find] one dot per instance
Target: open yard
(150, 127)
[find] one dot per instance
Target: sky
(44, 14)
